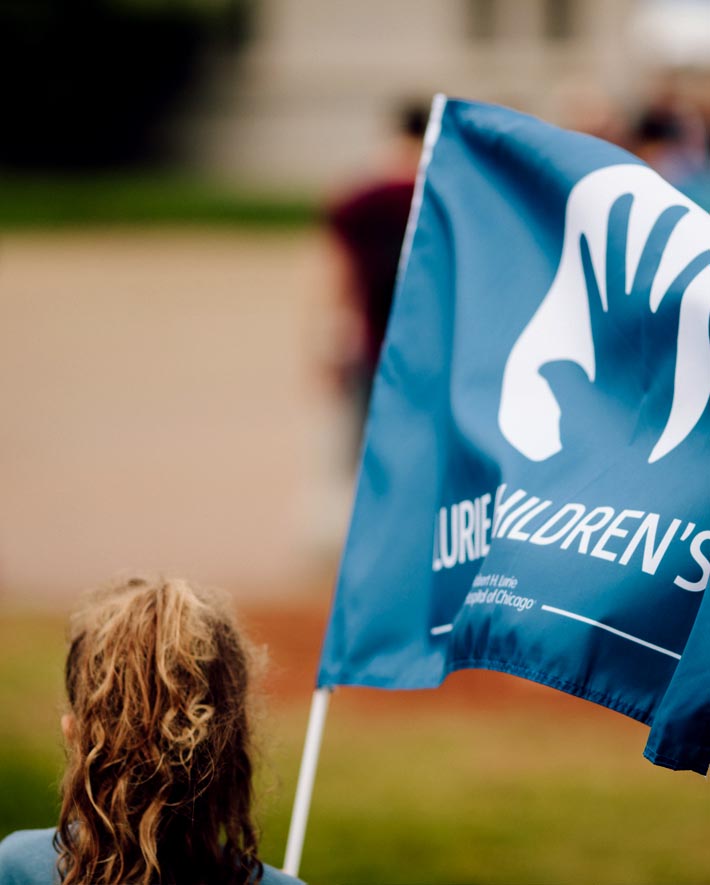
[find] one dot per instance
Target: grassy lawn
(476, 796)
(493, 799)
(144, 199)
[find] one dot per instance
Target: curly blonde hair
(158, 785)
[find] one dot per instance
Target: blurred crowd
(670, 132)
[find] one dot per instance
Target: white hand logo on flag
(629, 235)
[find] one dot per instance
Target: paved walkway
(161, 409)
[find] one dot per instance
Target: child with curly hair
(158, 782)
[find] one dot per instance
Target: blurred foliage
(482, 795)
(89, 82)
(29, 786)
(206, 7)
(135, 199)
(31, 667)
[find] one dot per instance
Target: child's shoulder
(27, 857)
(273, 876)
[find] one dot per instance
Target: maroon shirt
(371, 223)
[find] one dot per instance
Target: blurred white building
(676, 31)
(312, 97)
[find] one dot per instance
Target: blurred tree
(88, 83)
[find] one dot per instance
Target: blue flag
(534, 496)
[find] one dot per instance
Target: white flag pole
(321, 696)
(306, 777)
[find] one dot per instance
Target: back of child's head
(158, 786)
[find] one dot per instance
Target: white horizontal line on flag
(566, 614)
(443, 628)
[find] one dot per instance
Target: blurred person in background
(158, 780)
(366, 227)
(670, 136)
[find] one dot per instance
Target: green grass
(476, 796)
(132, 199)
(31, 661)
(494, 799)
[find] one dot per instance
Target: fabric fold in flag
(533, 494)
